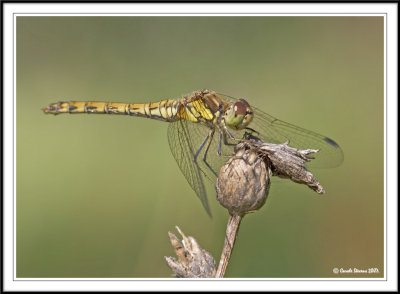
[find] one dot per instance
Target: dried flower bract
(243, 182)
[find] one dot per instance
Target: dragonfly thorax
(238, 115)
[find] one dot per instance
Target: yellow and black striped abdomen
(163, 110)
(198, 107)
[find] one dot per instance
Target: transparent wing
(277, 131)
(183, 151)
(273, 130)
(208, 159)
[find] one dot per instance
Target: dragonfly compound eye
(239, 115)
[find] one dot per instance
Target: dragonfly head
(238, 115)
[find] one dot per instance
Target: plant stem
(230, 236)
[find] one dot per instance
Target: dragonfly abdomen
(163, 110)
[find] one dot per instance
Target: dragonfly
(204, 127)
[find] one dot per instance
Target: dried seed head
(193, 261)
(243, 182)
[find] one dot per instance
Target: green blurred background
(96, 195)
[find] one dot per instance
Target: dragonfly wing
(273, 130)
(182, 149)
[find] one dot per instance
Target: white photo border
(388, 10)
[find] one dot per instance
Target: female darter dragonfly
(205, 126)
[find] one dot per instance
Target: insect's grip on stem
(242, 187)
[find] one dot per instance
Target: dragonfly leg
(219, 143)
(202, 146)
(228, 133)
(232, 137)
(210, 135)
(225, 142)
(253, 131)
(235, 139)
